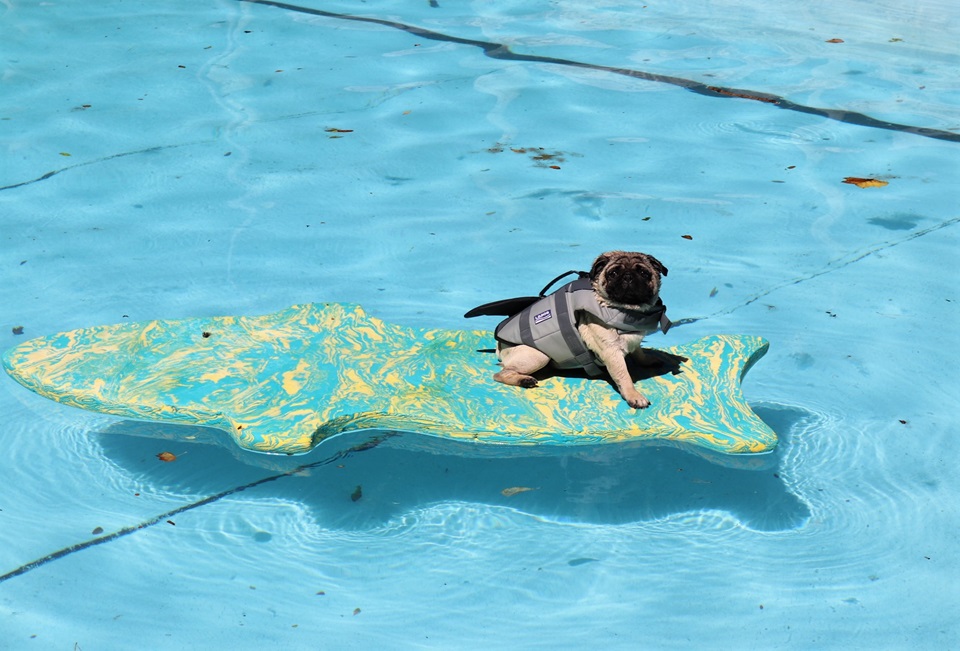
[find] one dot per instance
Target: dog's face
(627, 279)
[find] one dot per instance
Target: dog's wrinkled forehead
(627, 259)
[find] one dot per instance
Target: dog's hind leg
(519, 362)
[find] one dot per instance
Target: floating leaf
(554, 167)
(18, 330)
(508, 492)
(864, 183)
(687, 237)
(97, 531)
(835, 40)
(356, 611)
(356, 494)
(167, 456)
(335, 130)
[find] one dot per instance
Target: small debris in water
(509, 492)
(582, 561)
(18, 330)
(356, 494)
(167, 456)
(97, 531)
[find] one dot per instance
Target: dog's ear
(658, 265)
(598, 265)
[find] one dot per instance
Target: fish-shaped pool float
(285, 382)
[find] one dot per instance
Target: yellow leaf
(864, 183)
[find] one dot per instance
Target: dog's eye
(616, 272)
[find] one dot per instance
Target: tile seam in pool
(164, 517)
(503, 52)
(102, 159)
(830, 267)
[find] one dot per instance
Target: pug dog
(610, 314)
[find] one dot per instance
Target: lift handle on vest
(580, 274)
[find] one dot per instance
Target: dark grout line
(504, 53)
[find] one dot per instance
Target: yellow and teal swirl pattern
(284, 382)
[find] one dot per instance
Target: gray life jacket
(550, 325)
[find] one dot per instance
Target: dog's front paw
(636, 400)
(528, 382)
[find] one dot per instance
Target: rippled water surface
(231, 157)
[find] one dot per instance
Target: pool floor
(795, 171)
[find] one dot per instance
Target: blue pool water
(230, 157)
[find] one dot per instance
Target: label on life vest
(546, 315)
